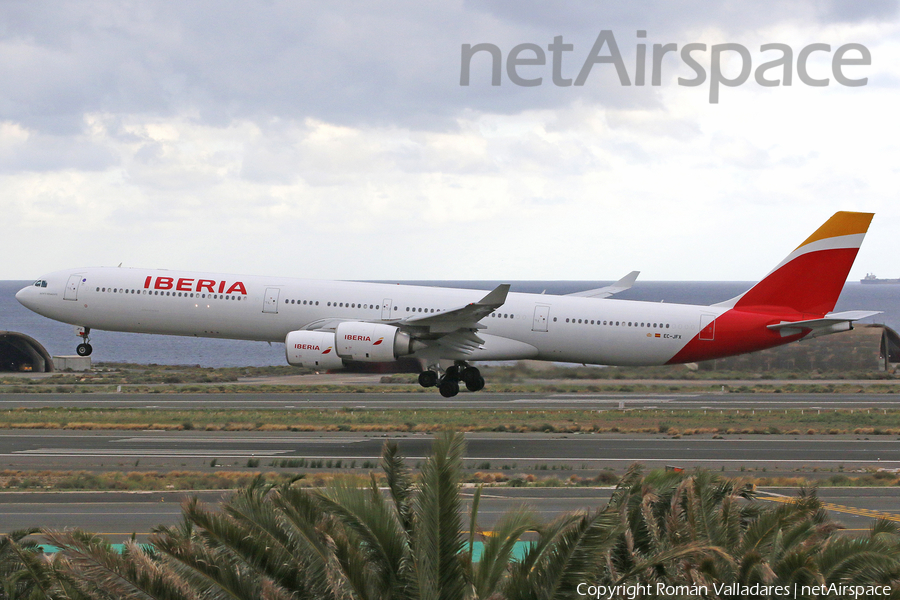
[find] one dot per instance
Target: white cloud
(333, 140)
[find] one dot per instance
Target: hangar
(19, 352)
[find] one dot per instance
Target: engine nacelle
(313, 350)
(371, 342)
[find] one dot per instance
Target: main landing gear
(448, 383)
(84, 348)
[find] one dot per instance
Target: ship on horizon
(871, 278)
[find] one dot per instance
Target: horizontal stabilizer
(828, 320)
(605, 292)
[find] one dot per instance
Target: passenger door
(541, 316)
(271, 303)
(72, 287)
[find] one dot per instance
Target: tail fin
(811, 278)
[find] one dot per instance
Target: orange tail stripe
(841, 223)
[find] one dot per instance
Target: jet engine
(372, 342)
(313, 350)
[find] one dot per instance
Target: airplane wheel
(475, 384)
(449, 387)
(452, 372)
(428, 379)
(84, 349)
(470, 376)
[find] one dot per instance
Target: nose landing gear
(84, 348)
(448, 384)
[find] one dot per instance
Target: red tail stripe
(809, 284)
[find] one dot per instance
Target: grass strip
(47, 480)
(865, 421)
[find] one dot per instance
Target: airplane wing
(464, 317)
(605, 292)
(452, 329)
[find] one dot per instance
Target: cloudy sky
(334, 140)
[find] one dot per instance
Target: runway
(544, 455)
(510, 452)
(116, 515)
(465, 401)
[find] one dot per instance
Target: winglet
(605, 292)
(496, 298)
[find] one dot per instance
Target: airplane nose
(24, 297)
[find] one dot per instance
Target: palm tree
(346, 541)
(25, 571)
(407, 542)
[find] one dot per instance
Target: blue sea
(59, 338)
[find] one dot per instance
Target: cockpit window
(40, 283)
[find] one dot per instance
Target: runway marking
(850, 510)
(618, 396)
(91, 514)
(151, 453)
(241, 440)
(554, 459)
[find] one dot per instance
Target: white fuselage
(538, 326)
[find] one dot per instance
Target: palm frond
(438, 540)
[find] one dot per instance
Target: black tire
(470, 376)
(84, 349)
(452, 372)
(428, 379)
(475, 384)
(449, 387)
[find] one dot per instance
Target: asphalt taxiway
(719, 400)
(118, 515)
(515, 452)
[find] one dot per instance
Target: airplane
(324, 324)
